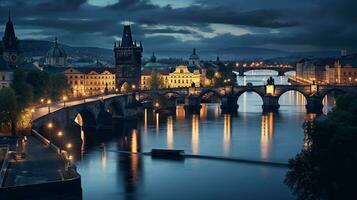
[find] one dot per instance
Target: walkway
(40, 165)
(43, 110)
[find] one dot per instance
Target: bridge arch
(208, 91)
(85, 118)
(293, 89)
(115, 109)
(239, 93)
(172, 93)
(329, 91)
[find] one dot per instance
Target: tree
(23, 90)
(57, 86)
(327, 168)
(39, 82)
(8, 109)
(156, 82)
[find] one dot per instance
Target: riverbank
(40, 173)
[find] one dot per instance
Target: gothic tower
(10, 44)
(128, 59)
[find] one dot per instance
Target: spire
(115, 44)
(127, 40)
(9, 17)
(10, 41)
(141, 45)
(194, 51)
(56, 42)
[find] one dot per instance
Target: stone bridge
(88, 116)
(281, 70)
(228, 95)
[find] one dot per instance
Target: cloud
(317, 24)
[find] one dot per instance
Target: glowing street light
(49, 105)
(133, 87)
(42, 101)
(69, 145)
(60, 133)
(64, 98)
(50, 125)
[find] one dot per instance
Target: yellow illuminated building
(90, 81)
(184, 76)
(344, 71)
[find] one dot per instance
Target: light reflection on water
(251, 135)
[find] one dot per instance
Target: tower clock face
(13, 57)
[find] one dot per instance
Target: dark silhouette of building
(10, 43)
(128, 59)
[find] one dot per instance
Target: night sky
(292, 25)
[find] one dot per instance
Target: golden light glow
(50, 125)
(70, 157)
(42, 100)
(270, 89)
(180, 112)
(69, 145)
(170, 133)
(313, 89)
(195, 134)
(227, 134)
(49, 101)
(145, 121)
(157, 118)
(134, 141)
(266, 134)
(203, 111)
(59, 133)
(104, 157)
(64, 98)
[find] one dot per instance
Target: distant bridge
(281, 70)
(229, 95)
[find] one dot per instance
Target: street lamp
(60, 133)
(49, 105)
(42, 101)
(69, 145)
(64, 98)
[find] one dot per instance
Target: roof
(127, 40)
(84, 70)
(11, 43)
(56, 51)
(349, 60)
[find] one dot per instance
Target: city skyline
(182, 25)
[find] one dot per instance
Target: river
(107, 174)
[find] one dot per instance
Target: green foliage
(57, 86)
(225, 73)
(209, 72)
(39, 81)
(8, 109)
(327, 168)
(155, 81)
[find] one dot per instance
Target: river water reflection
(108, 174)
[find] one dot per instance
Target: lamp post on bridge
(49, 105)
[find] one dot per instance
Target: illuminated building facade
(184, 76)
(344, 71)
(90, 81)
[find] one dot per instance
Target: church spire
(10, 41)
(127, 40)
(194, 51)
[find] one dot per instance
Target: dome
(194, 56)
(56, 51)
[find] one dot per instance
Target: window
(181, 71)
